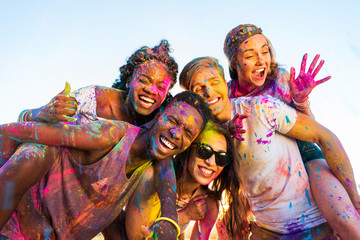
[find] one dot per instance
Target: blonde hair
(194, 66)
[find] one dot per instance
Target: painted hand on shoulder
(235, 126)
(196, 208)
(302, 86)
(61, 108)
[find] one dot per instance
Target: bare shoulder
(108, 100)
(104, 94)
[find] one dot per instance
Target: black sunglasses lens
(203, 151)
(222, 159)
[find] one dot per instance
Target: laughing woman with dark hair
(140, 91)
(209, 160)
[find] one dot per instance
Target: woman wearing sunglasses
(207, 160)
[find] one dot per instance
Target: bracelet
(23, 116)
(171, 221)
(26, 115)
(302, 106)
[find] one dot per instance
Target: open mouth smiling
(146, 101)
(165, 142)
(259, 73)
(213, 101)
(206, 171)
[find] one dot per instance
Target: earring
(127, 85)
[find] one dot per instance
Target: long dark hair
(227, 182)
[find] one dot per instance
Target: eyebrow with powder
(208, 79)
(251, 49)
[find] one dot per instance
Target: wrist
(301, 105)
(36, 115)
(172, 223)
(23, 116)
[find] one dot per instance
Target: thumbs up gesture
(61, 108)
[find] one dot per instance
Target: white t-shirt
(276, 182)
(86, 110)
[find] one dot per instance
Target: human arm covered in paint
(307, 129)
(92, 136)
(81, 106)
(165, 182)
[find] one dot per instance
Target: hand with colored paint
(195, 209)
(61, 108)
(302, 86)
(235, 126)
(147, 233)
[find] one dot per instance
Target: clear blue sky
(45, 43)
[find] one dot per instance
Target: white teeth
(213, 101)
(260, 70)
(167, 143)
(207, 171)
(147, 99)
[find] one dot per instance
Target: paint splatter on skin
(148, 87)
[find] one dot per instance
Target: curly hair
(228, 181)
(158, 53)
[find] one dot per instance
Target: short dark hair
(197, 102)
(158, 53)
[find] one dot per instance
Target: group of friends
(134, 162)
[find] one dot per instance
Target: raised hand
(235, 126)
(302, 86)
(61, 108)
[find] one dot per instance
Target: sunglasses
(204, 151)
